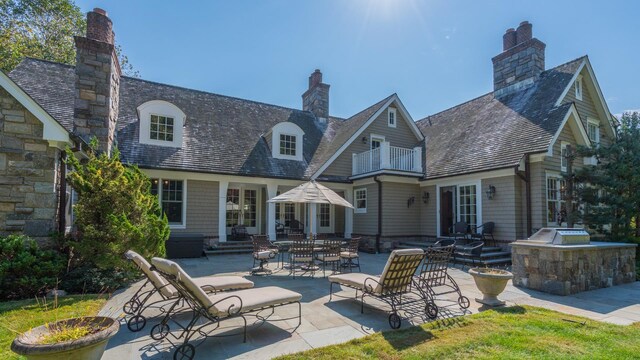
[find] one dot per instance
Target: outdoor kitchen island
(565, 261)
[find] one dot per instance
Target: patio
(325, 323)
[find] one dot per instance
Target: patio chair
(389, 287)
(484, 233)
(444, 243)
(156, 284)
(349, 255)
(330, 255)
(239, 232)
(471, 251)
(433, 276)
(263, 251)
(459, 230)
(302, 252)
(321, 236)
(213, 308)
(296, 227)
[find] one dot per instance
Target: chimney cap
(509, 30)
(100, 11)
(524, 23)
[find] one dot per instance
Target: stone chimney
(97, 82)
(521, 61)
(316, 98)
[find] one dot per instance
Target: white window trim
(161, 108)
(395, 117)
(182, 225)
(291, 129)
(596, 122)
(563, 145)
(372, 137)
(459, 183)
(356, 209)
(579, 88)
(558, 201)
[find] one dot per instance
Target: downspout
(62, 193)
(379, 234)
(527, 176)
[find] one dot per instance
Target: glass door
(242, 209)
(467, 205)
(325, 214)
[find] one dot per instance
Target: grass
(507, 333)
(19, 316)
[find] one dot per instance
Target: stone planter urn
(89, 347)
(491, 282)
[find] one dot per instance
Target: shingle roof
(490, 133)
(222, 134)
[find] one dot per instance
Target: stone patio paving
(325, 323)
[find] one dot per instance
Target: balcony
(388, 157)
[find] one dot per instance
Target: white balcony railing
(388, 157)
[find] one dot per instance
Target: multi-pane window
(392, 117)
(563, 156)
(325, 215)
(593, 129)
(467, 205)
(360, 196)
(579, 88)
(287, 145)
(171, 196)
(289, 212)
(161, 128)
(250, 208)
(233, 207)
(556, 210)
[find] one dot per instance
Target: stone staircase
(493, 256)
(231, 247)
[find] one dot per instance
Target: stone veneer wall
(28, 201)
(569, 270)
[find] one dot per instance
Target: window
(593, 130)
(233, 207)
(392, 117)
(360, 196)
(325, 215)
(467, 206)
(579, 88)
(161, 128)
(563, 156)
(556, 210)
(250, 208)
(287, 145)
(171, 197)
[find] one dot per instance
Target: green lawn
(19, 316)
(507, 333)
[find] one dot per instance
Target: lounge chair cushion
(348, 255)
(222, 283)
(329, 258)
(306, 259)
(355, 280)
(252, 299)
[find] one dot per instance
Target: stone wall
(28, 200)
(572, 269)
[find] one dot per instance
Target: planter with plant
(491, 282)
(79, 338)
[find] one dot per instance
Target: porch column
(348, 214)
(313, 218)
(385, 155)
(222, 210)
(272, 191)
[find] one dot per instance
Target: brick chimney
(521, 61)
(97, 82)
(316, 98)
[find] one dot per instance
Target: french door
(324, 218)
(242, 209)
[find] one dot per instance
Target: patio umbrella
(311, 193)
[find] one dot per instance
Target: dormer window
(391, 117)
(579, 88)
(161, 123)
(286, 141)
(593, 130)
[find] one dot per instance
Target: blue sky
(433, 53)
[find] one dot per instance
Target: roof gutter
(379, 234)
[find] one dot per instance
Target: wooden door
(446, 212)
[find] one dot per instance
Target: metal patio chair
(144, 299)
(302, 252)
(263, 251)
(214, 308)
(484, 233)
(349, 255)
(471, 251)
(390, 287)
(330, 255)
(459, 230)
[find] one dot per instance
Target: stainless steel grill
(561, 236)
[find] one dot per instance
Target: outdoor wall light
(425, 197)
(491, 192)
(410, 201)
(364, 139)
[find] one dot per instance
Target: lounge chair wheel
(463, 301)
(136, 323)
(184, 352)
(130, 307)
(159, 331)
(431, 310)
(394, 321)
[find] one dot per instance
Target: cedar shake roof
(222, 134)
(492, 133)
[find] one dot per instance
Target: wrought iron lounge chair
(143, 298)
(389, 287)
(213, 308)
(434, 277)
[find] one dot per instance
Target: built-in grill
(561, 236)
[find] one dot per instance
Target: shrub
(115, 212)
(90, 280)
(26, 270)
